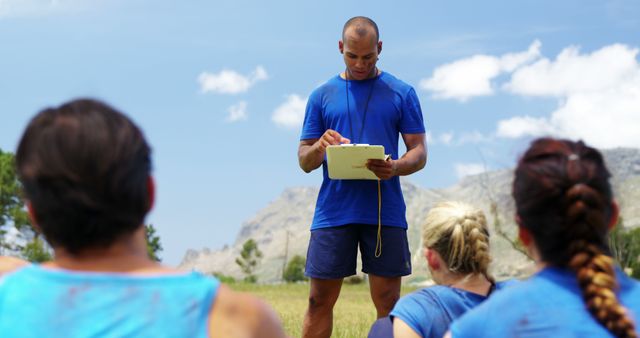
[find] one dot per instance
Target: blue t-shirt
(429, 311)
(393, 108)
(40, 302)
(549, 304)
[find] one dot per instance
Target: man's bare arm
(311, 152)
(416, 156)
(9, 264)
(413, 160)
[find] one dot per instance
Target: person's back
(565, 209)
(549, 304)
(82, 304)
(430, 311)
(455, 237)
(85, 169)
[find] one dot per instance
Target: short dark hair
(85, 167)
(361, 23)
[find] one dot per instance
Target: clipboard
(348, 161)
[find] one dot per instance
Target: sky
(220, 87)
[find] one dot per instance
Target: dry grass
(353, 314)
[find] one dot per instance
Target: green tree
(625, 247)
(224, 278)
(36, 251)
(248, 260)
(12, 210)
(294, 271)
(153, 242)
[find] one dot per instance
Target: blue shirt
(39, 302)
(429, 311)
(393, 108)
(549, 304)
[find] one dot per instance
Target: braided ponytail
(594, 270)
(563, 196)
(459, 233)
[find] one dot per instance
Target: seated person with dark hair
(565, 208)
(86, 172)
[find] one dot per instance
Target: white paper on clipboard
(348, 161)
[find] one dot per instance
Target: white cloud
(290, 114)
(572, 72)
(229, 81)
(456, 139)
(523, 126)
(237, 112)
(429, 138)
(598, 95)
(472, 76)
(467, 169)
(473, 137)
(17, 7)
(30, 8)
(446, 138)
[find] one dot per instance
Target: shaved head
(362, 26)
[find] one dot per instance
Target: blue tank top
(429, 311)
(549, 304)
(39, 302)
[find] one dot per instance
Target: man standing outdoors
(361, 105)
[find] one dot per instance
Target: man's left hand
(383, 169)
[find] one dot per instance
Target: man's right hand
(330, 137)
(311, 152)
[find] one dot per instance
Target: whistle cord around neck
(378, 252)
(366, 105)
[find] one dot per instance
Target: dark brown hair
(85, 169)
(563, 197)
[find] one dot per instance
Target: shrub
(294, 272)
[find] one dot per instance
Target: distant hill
(282, 227)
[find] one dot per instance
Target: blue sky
(219, 87)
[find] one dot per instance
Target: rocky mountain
(281, 229)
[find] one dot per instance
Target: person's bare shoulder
(236, 314)
(9, 264)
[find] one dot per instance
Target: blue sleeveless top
(430, 311)
(39, 302)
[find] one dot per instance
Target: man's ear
(32, 216)
(379, 47)
(151, 191)
(615, 212)
(524, 235)
(341, 46)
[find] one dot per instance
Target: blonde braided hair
(459, 233)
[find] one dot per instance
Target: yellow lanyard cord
(378, 252)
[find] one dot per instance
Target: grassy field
(353, 314)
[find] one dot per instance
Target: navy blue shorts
(333, 252)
